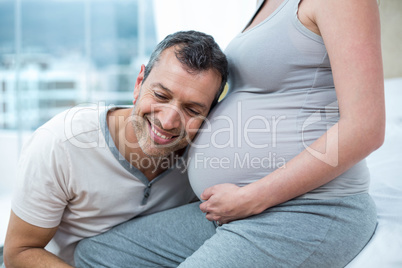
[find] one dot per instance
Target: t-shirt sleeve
(41, 192)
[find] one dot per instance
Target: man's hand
(228, 202)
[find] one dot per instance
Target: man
(86, 171)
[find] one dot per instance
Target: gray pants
(298, 233)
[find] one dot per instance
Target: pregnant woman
(279, 164)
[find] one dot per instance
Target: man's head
(175, 91)
(195, 50)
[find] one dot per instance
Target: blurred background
(56, 54)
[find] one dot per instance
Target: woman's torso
(281, 99)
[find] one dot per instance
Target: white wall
(391, 37)
(223, 19)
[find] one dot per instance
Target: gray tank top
(281, 99)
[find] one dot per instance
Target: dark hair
(198, 51)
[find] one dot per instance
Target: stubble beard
(148, 146)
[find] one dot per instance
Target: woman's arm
(351, 32)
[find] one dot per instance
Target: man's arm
(25, 243)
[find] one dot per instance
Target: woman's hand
(228, 202)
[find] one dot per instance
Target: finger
(204, 207)
(209, 217)
(212, 217)
(206, 194)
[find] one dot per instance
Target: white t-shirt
(71, 175)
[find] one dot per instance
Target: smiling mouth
(160, 134)
(160, 138)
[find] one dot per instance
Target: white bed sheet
(385, 248)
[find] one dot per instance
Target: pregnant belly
(242, 141)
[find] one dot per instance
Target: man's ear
(138, 83)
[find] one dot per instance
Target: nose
(170, 117)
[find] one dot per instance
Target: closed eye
(160, 96)
(193, 112)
